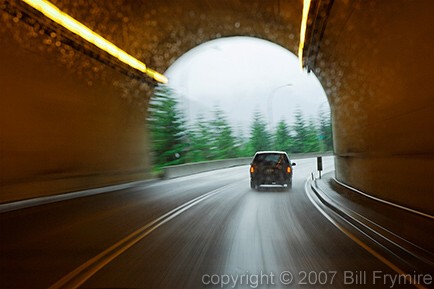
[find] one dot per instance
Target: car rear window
(272, 158)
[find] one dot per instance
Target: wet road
(204, 231)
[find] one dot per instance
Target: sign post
(319, 165)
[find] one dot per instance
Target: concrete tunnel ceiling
(158, 32)
(352, 46)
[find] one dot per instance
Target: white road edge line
(81, 274)
(360, 242)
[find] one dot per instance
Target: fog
(241, 75)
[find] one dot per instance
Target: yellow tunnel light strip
(157, 76)
(306, 7)
(52, 12)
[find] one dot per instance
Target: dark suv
(271, 168)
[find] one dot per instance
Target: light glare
(157, 76)
(52, 12)
(306, 7)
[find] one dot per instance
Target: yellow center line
(81, 274)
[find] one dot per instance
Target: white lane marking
(360, 242)
(81, 274)
(43, 200)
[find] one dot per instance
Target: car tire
(289, 185)
(253, 185)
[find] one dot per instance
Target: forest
(174, 141)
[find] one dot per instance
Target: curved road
(204, 231)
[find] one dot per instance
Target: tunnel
(73, 117)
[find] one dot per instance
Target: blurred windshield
(270, 158)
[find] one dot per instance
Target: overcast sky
(241, 75)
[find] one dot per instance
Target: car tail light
(252, 170)
(288, 170)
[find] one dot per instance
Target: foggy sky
(241, 75)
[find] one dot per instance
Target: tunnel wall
(375, 62)
(70, 122)
(67, 122)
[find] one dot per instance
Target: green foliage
(282, 138)
(221, 137)
(167, 127)
(311, 139)
(260, 137)
(199, 146)
(299, 132)
(212, 140)
(325, 130)
(174, 142)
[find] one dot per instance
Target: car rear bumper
(271, 180)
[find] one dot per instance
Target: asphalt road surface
(204, 231)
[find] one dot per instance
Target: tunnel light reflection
(52, 12)
(306, 7)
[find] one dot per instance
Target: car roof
(270, 152)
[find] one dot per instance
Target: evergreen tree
(243, 145)
(325, 130)
(175, 143)
(167, 127)
(200, 142)
(260, 138)
(311, 141)
(300, 132)
(224, 143)
(282, 139)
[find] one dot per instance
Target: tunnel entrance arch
(237, 82)
(108, 144)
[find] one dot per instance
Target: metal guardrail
(176, 171)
